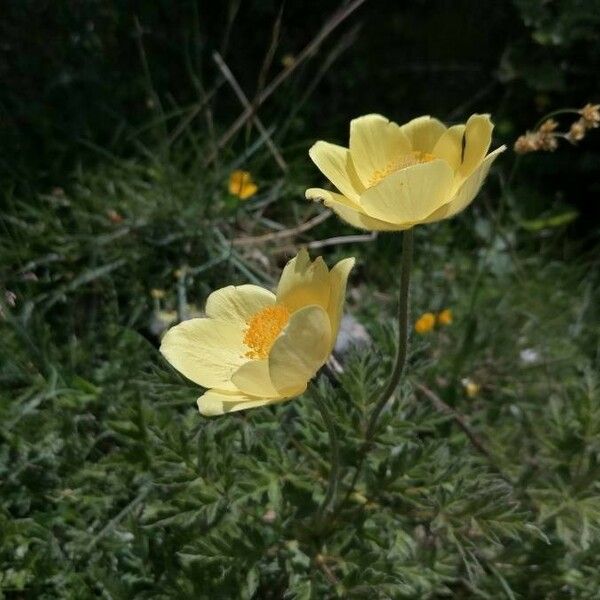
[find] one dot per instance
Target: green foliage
(113, 485)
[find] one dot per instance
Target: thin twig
(278, 235)
(461, 421)
(345, 42)
(343, 239)
(334, 21)
(246, 104)
(148, 76)
(268, 60)
(185, 122)
(463, 424)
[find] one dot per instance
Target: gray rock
(352, 334)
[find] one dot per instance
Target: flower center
(415, 157)
(263, 328)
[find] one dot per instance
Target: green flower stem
(401, 354)
(335, 456)
(402, 348)
(556, 113)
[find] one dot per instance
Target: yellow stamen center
(403, 161)
(263, 328)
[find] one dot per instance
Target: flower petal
(238, 303)
(301, 350)
(335, 163)
(219, 402)
(478, 137)
(349, 211)
(339, 279)
(253, 378)
(423, 132)
(468, 190)
(247, 191)
(374, 143)
(449, 146)
(409, 195)
(304, 282)
(207, 351)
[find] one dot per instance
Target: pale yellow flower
(242, 185)
(425, 323)
(471, 388)
(255, 347)
(445, 317)
(393, 177)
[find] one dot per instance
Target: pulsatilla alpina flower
(242, 185)
(393, 177)
(255, 347)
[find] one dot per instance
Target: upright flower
(393, 177)
(445, 317)
(425, 323)
(242, 185)
(255, 347)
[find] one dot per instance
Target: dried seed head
(591, 115)
(548, 126)
(529, 142)
(548, 142)
(577, 131)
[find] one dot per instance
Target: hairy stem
(401, 354)
(402, 348)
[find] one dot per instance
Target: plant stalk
(401, 354)
(402, 348)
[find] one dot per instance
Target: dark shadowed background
(75, 73)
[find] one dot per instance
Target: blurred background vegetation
(112, 485)
(87, 73)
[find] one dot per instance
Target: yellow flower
(394, 177)
(445, 317)
(471, 388)
(425, 323)
(256, 347)
(242, 185)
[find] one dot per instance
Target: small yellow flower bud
(425, 323)
(471, 388)
(242, 185)
(157, 294)
(445, 317)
